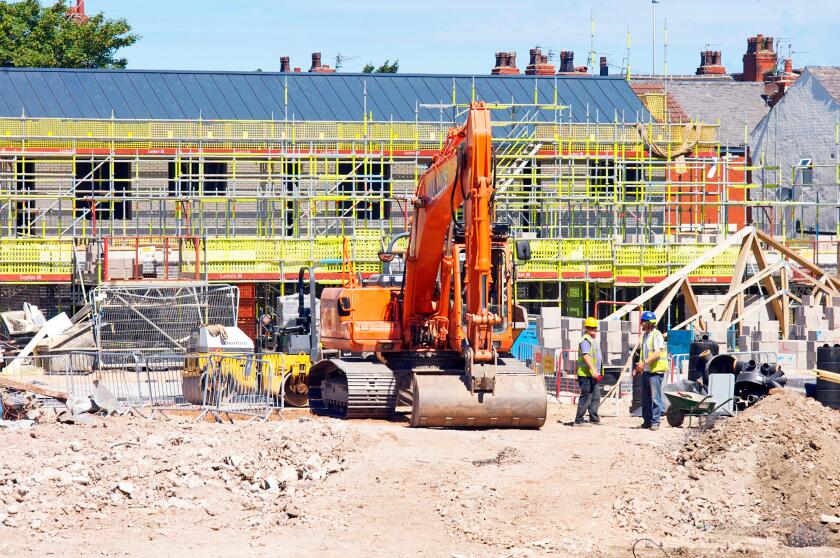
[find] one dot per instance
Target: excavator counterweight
(442, 331)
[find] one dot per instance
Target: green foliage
(385, 68)
(38, 36)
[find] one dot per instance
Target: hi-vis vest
(661, 364)
(583, 368)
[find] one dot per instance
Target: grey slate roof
(733, 103)
(829, 78)
(141, 94)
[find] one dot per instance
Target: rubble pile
(55, 477)
(767, 471)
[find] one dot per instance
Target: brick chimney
(317, 67)
(710, 64)
(505, 64)
(539, 65)
(605, 69)
(760, 59)
(284, 64)
(567, 62)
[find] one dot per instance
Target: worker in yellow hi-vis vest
(589, 373)
(652, 366)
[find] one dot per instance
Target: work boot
(644, 426)
(596, 421)
(581, 423)
(654, 427)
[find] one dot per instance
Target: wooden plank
(820, 285)
(667, 299)
(682, 273)
(756, 307)
(691, 304)
(770, 286)
(738, 275)
(731, 295)
(809, 265)
(22, 386)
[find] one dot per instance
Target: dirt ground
(306, 486)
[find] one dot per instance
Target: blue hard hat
(648, 316)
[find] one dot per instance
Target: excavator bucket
(443, 400)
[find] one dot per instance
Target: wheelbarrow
(690, 404)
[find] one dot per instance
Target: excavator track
(352, 389)
(438, 396)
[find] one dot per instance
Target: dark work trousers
(590, 398)
(651, 398)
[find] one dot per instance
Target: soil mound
(792, 445)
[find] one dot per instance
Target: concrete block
(551, 317)
(765, 347)
(815, 335)
(575, 323)
(793, 346)
(552, 338)
(832, 315)
(610, 326)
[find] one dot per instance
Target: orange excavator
(442, 330)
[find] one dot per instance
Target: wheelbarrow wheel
(674, 416)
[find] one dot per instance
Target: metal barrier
(218, 384)
(244, 385)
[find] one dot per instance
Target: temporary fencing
(244, 385)
(131, 317)
(216, 384)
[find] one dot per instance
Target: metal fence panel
(143, 317)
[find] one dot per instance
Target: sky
(461, 36)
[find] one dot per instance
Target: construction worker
(589, 373)
(652, 365)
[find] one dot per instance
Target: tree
(385, 68)
(38, 36)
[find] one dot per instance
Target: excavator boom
(444, 329)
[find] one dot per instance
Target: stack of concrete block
(562, 333)
(797, 355)
(549, 331)
(718, 333)
(811, 317)
(614, 338)
(120, 265)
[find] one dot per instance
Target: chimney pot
(605, 69)
(567, 61)
(284, 64)
(316, 61)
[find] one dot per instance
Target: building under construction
(118, 175)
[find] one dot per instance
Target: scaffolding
(605, 205)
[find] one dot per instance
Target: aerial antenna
(77, 12)
(340, 59)
(665, 50)
(591, 39)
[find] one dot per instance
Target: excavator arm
(459, 177)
